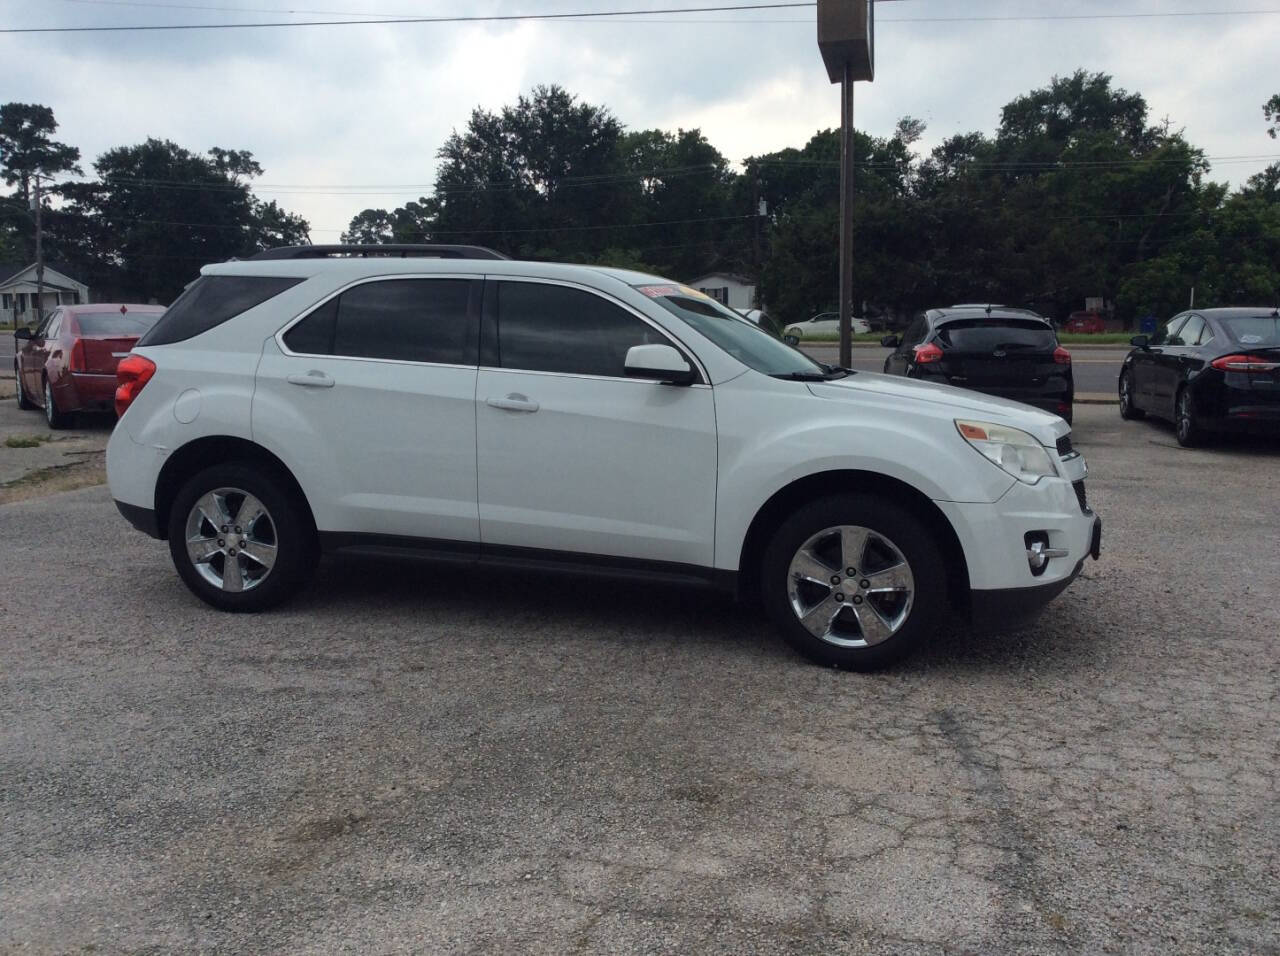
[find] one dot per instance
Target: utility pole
(846, 218)
(38, 208)
(846, 40)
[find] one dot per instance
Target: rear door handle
(515, 402)
(313, 379)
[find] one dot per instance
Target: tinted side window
(210, 301)
(55, 326)
(551, 328)
(409, 320)
(915, 333)
(314, 334)
(1189, 334)
(1168, 335)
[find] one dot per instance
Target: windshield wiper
(829, 375)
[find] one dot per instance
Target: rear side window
(210, 301)
(115, 323)
(406, 320)
(987, 335)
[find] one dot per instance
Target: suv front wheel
(853, 581)
(239, 538)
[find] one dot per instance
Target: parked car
(516, 415)
(824, 323)
(68, 363)
(1013, 353)
(1207, 370)
(1088, 323)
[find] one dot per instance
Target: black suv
(1013, 353)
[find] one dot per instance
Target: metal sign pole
(846, 218)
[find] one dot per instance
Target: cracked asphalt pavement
(410, 759)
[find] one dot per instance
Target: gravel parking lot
(411, 759)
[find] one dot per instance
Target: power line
(487, 18)
(614, 15)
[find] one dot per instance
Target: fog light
(1038, 551)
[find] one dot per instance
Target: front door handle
(515, 402)
(313, 379)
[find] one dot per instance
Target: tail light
(928, 353)
(133, 372)
(1245, 363)
(77, 357)
(1061, 356)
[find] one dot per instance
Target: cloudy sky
(347, 117)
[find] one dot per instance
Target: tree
(27, 150)
(540, 178)
(1271, 112)
(157, 212)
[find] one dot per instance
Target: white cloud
(335, 108)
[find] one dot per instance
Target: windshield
(986, 335)
(745, 341)
(115, 323)
(1261, 330)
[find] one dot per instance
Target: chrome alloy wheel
(231, 539)
(850, 586)
(1126, 399)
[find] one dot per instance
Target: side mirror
(662, 362)
(1140, 341)
(22, 332)
(890, 341)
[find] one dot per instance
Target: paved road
(1095, 370)
(406, 759)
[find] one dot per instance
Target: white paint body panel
(611, 466)
(388, 449)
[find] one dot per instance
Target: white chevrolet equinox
(449, 403)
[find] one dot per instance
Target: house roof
(736, 277)
(9, 270)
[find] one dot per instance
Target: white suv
(448, 402)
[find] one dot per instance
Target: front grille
(1064, 447)
(1079, 487)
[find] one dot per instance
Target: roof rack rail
(426, 250)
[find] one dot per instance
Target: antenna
(988, 308)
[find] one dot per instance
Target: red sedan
(68, 364)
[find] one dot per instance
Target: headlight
(1010, 449)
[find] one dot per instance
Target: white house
(18, 291)
(727, 288)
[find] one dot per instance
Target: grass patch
(26, 441)
(90, 470)
(1066, 338)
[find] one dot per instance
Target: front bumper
(1003, 588)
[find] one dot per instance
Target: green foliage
(1271, 112)
(158, 212)
(26, 149)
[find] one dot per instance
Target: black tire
(1186, 426)
(791, 340)
(909, 618)
(24, 403)
(57, 420)
(287, 526)
(1128, 411)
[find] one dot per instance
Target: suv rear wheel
(853, 581)
(239, 538)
